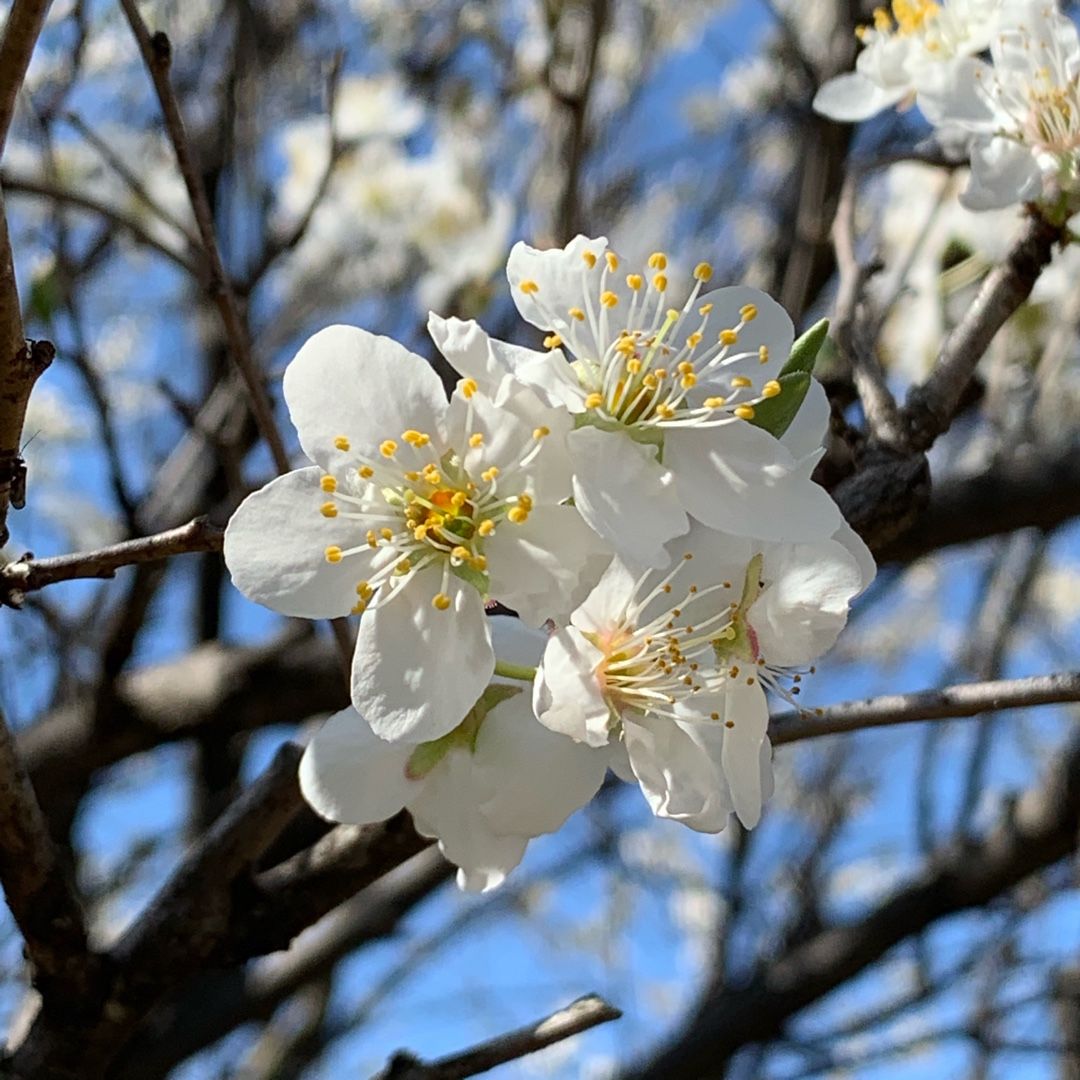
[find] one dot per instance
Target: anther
(612, 261)
(635, 281)
(486, 527)
(748, 312)
(440, 601)
(415, 438)
(518, 515)
(387, 534)
(489, 474)
(741, 382)
(659, 282)
(328, 484)
(341, 443)
(576, 313)
(372, 538)
(333, 554)
(476, 440)
(744, 412)
(763, 354)
(552, 341)
(703, 271)
(594, 400)
(468, 387)
(657, 261)
(728, 337)
(542, 432)
(609, 299)
(366, 472)
(589, 258)
(529, 287)
(388, 448)
(328, 510)
(771, 389)
(729, 723)
(705, 309)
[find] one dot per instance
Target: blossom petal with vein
(675, 665)
(484, 790)
(415, 507)
(1023, 111)
(661, 397)
(909, 48)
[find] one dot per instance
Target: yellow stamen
(703, 271)
(333, 554)
(771, 389)
(440, 601)
(518, 515)
(748, 312)
(388, 448)
(741, 382)
(609, 299)
(542, 432)
(612, 261)
(476, 440)
(728, 337)
(486, 527)
(659, 282)
(489, 474)
(341, 443)
(328, 510)
(415, 438)
(763, 353)
(715, 402)
(529, 287)
(745, 412)
(552, 341)
(594, 400)
(364, 590)
(635, 281)
(468, 387)
(590, 258)
(328, 484)
(366, 472)
(704, 309)
(657, 261)
(576, 313)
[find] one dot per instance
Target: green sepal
(804, 352)
(775, 414)
(734, 643)
(427, 755)
(645, 436)
(476, 578)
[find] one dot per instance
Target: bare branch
(37, 889)
(157, 55)
(930, 407)
(581, 1015)
(24, 23)
(27, 574)
(952, 702)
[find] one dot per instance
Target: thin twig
(157, 55)
(850, 325)
(581, 1015)
(951, 702)
(44, 189)
(28, 574)
(930, 407)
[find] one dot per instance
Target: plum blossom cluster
(638, 492)
(1019, 112)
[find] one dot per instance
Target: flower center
(414, 513)
(640, 372)
(908, 17)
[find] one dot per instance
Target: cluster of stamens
(648, 667)
(646, 369)
(906, 17)
(423, 513)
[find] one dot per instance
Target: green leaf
(45, 295)
(775, 414)
(805, 351)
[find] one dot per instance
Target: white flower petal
(740, 479)
(804, 606)
(539, 778)
(807, 432)
(853, 97)
(536, 567)
(349, 774)
(1003, 172)
(417, 671)
(567, 696)
(347, 382)
(275, 549)
(625, 495)
(746, 708)
(448, 807)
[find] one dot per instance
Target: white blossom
(483, 790)
(674, 666)
(660, 397)
(909, 48)
(414, 511)
(1023, 111)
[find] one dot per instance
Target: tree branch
(1039, 829)
(28, 574)
(581, 1015)
(930, 407)
(951, 702)
(21, 31)
(38, 892)
(157, 56)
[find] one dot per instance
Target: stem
(515, 671)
